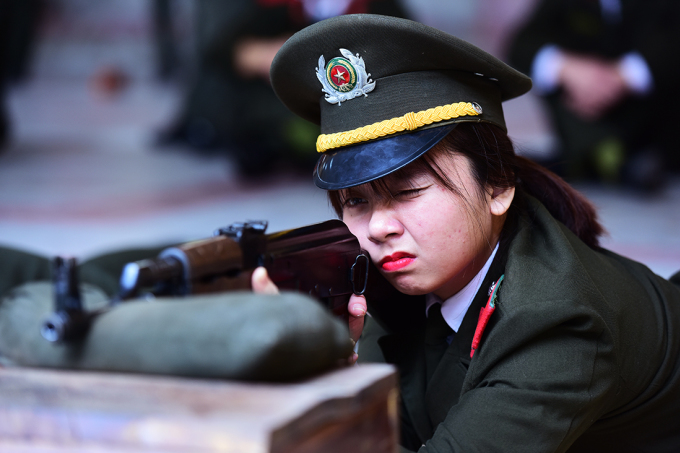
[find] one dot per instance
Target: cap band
(407, 122)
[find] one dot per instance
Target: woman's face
(426, 238)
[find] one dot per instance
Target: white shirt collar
(455, 307)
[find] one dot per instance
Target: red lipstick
(396, 261)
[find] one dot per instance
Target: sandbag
(19, 266)
(235, 335)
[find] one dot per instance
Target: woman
(511, 329)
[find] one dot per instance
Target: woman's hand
(357, 310)
(261, 283)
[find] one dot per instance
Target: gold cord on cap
(408, 122)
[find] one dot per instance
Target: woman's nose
(383, 225)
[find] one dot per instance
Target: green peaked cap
(385, 90)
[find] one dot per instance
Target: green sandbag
(236, 335)
(19, 266)
(104, 270)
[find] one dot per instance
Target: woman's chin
(405, 285)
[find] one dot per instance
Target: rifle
(323, 260)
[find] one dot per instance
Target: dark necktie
(436, 331)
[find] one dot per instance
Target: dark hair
(495, 163)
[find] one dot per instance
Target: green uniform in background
(585, 27)
(242, 114)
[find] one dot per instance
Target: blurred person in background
(230, 104)
(166, 45)
(18, 21)
(607, 71)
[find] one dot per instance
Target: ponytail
(563, 202)
(496, 164)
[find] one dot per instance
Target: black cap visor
(358, 164)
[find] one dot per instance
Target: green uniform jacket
(582, 354)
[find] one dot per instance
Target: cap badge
(344, 78)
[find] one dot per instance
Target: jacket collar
(428, 403)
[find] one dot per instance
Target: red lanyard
(484, 316)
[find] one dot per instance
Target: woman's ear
(500, 199)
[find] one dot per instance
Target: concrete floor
(80, 176)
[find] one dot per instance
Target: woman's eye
(352, 202)
(409, 192)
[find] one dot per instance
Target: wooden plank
(54, 411)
